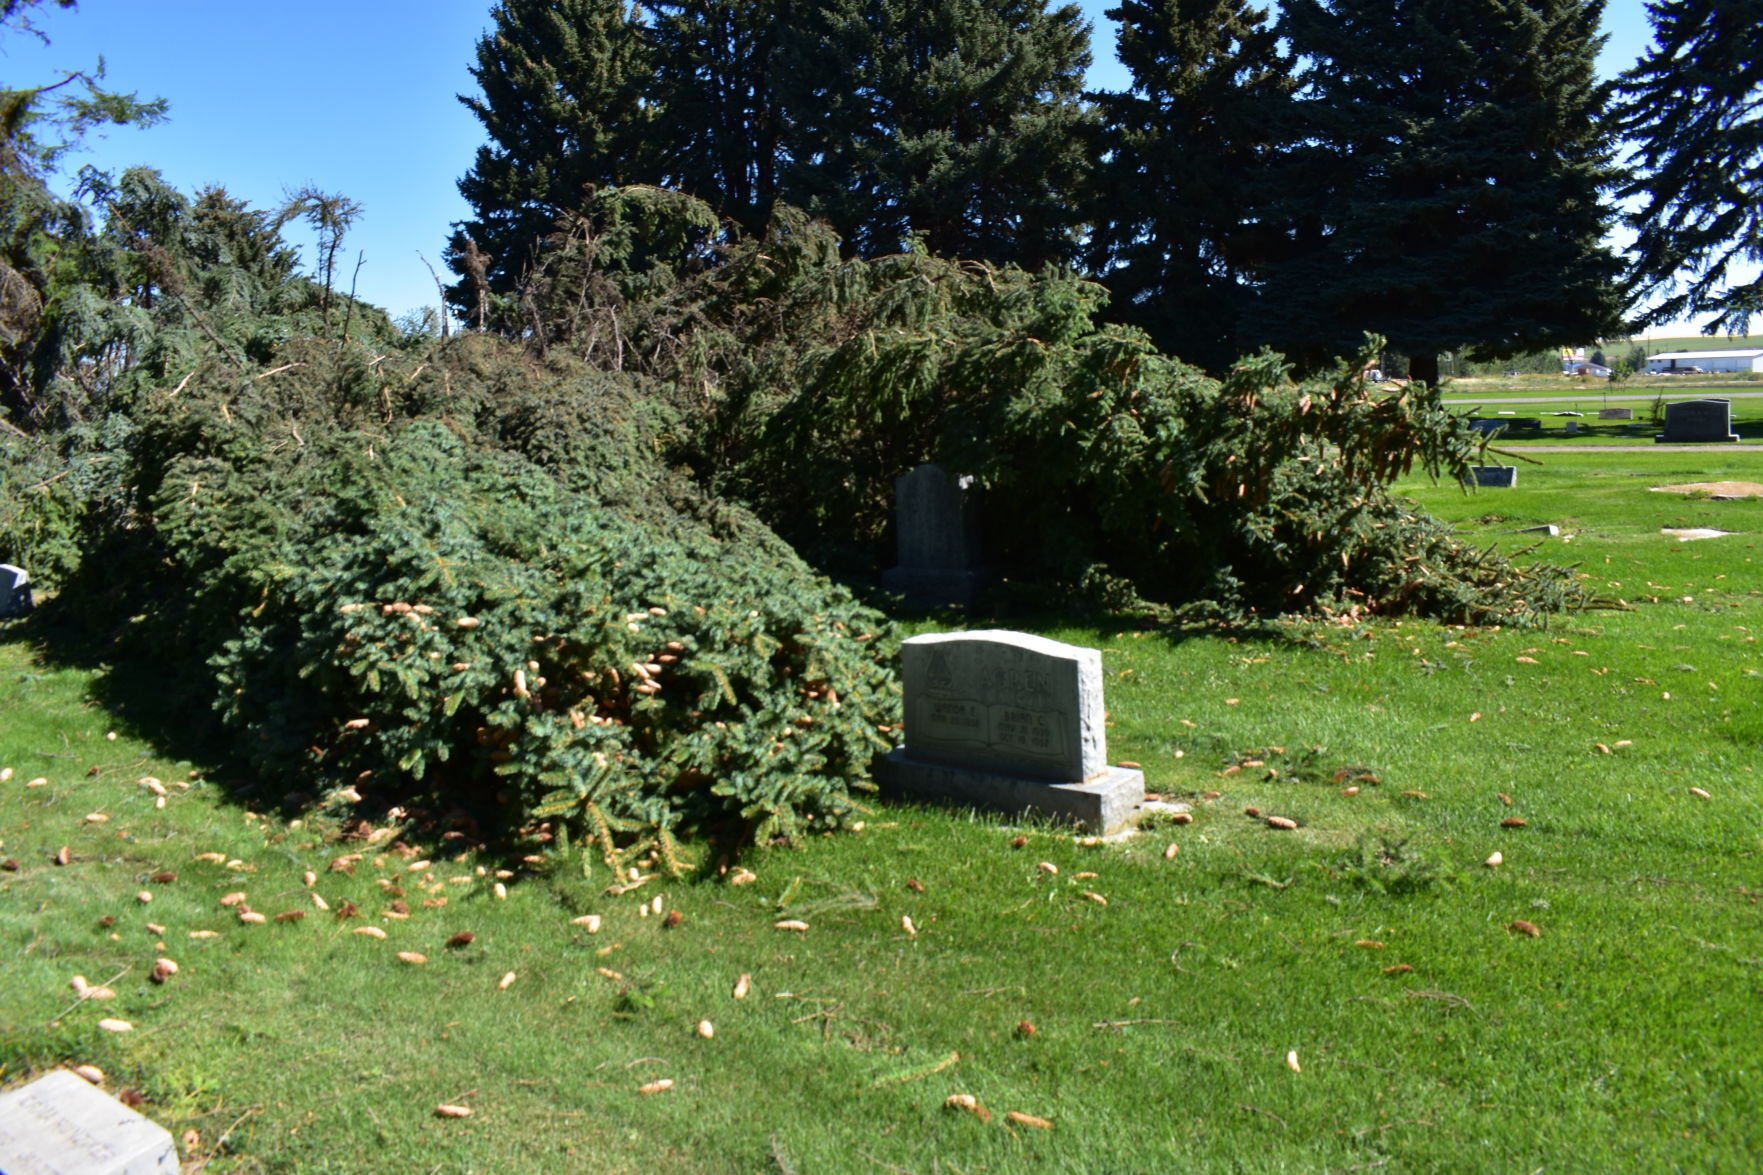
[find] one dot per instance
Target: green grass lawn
(1372, 946)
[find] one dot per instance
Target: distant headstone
(15, 592)
(1697, 422)
(60, 1125)
(936, 525)
(1616, 414)
(1571, 428)
(1489, 427)
(1011, 721)
(1549, 529)
(1498, 477)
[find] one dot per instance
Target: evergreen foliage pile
(454, 571)
(820, 379)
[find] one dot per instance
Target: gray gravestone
(1698, 422)
(936, 524)
(1616, 414)
(60, 1125)
(15, 592)
(1011, 721)
(1571, 428)
(1499, 477)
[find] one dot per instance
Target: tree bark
(1424, 369)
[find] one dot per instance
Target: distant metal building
(1692, 362)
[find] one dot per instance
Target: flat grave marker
(61, 1125)
(1616, 414)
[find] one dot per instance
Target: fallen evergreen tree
(510, 572)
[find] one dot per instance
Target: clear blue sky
(356, 98)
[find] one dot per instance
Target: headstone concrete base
(1103, 805)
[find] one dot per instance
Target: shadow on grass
(142, 703)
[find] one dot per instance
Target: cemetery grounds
(1366, 991)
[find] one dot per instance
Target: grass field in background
(1145, 1007)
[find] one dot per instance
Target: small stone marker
(1616, 414)
(1489, 427)
(1499, 477)
(1693, 422)
(1571, 428)
(60, 1125)
(936, 524)
(1549, 529)
(15, 592)
(1011, 721)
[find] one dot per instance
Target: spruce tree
(1446, 182)
(1184, 153)
(563, 105)
(716, 82)
(959, 122)
(1693, 112)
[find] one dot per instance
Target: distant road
(1647, 397)
(1521, 447)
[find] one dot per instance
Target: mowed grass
(1372, 946)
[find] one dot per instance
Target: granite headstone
(936, 525)
(1692, 422)
(15, 592)
(1616, 414)
(60, 1125)
(1011, 721)
(1498, 477)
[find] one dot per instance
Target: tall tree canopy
(1446, 187)
(1183, 155)
(720, 132)
(961, 122)
(1693, 108)
(564, 104)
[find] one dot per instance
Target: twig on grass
(1454, 1000)
(1117, 1025)
(1248, 1109)
(84, 997)
(228, 1132)
(918, 1073)
(884, 1166)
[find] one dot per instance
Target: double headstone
(936, 524)
(1693, 422)
(1616, 414)
(1009, 721)
(60, 1125)
(15, 592)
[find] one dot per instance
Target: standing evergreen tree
(564, 105)
(1693, 109)
(1184, 155)
(960, 122)
(716, 82)
(1446, 184)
